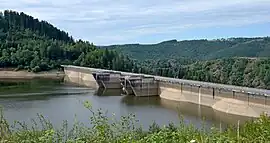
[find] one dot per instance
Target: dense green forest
(27, 43)
(34, 45)
(198, 49)
(234, 71)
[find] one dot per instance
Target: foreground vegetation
(108, 129)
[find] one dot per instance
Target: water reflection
(108, 92)
(131, 100)
(203, 113)
(13, 86)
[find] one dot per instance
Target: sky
(107, 22)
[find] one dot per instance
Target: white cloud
(122, 21)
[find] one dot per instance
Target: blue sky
(106, 22)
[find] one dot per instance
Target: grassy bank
(108, 129)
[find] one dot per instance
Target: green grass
(107, 129)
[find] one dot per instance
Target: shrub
(36, 69)
(19, 67)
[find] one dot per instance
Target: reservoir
(22, 100)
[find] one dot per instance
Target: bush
(44, 66)
(154, 128)
(19, 67)
(36, 69)
(27, 67)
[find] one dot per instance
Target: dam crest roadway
(237, 100)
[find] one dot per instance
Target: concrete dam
(229, 99)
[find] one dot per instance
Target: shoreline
(22, 74)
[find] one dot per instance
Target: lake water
(23, 99)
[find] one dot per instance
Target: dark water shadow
(108, 92)
(131, 100)
(37, 89)
(25, 86)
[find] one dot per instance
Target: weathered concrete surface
(80, 78)
(140, 86)
(219, 102)
(112, 85)
(146, 89)
(86, 78)
(146, 92)
(107, 80)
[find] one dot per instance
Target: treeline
(20, 21)
(35, 53)
(234, 71)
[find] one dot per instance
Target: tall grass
(105, 129)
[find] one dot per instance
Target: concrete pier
(108, 80)
(93, 79)
(80, 76)
(141, 86)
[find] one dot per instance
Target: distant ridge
(201, 49)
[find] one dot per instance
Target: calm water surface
(22, 100)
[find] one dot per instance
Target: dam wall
(148, 88)
(80, 77)
(91, 78)
(230, 99)
(221, 100)
(108, 80)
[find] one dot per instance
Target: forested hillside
(27, 43)
(236, 61)
(234, 71)
(198, 49)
